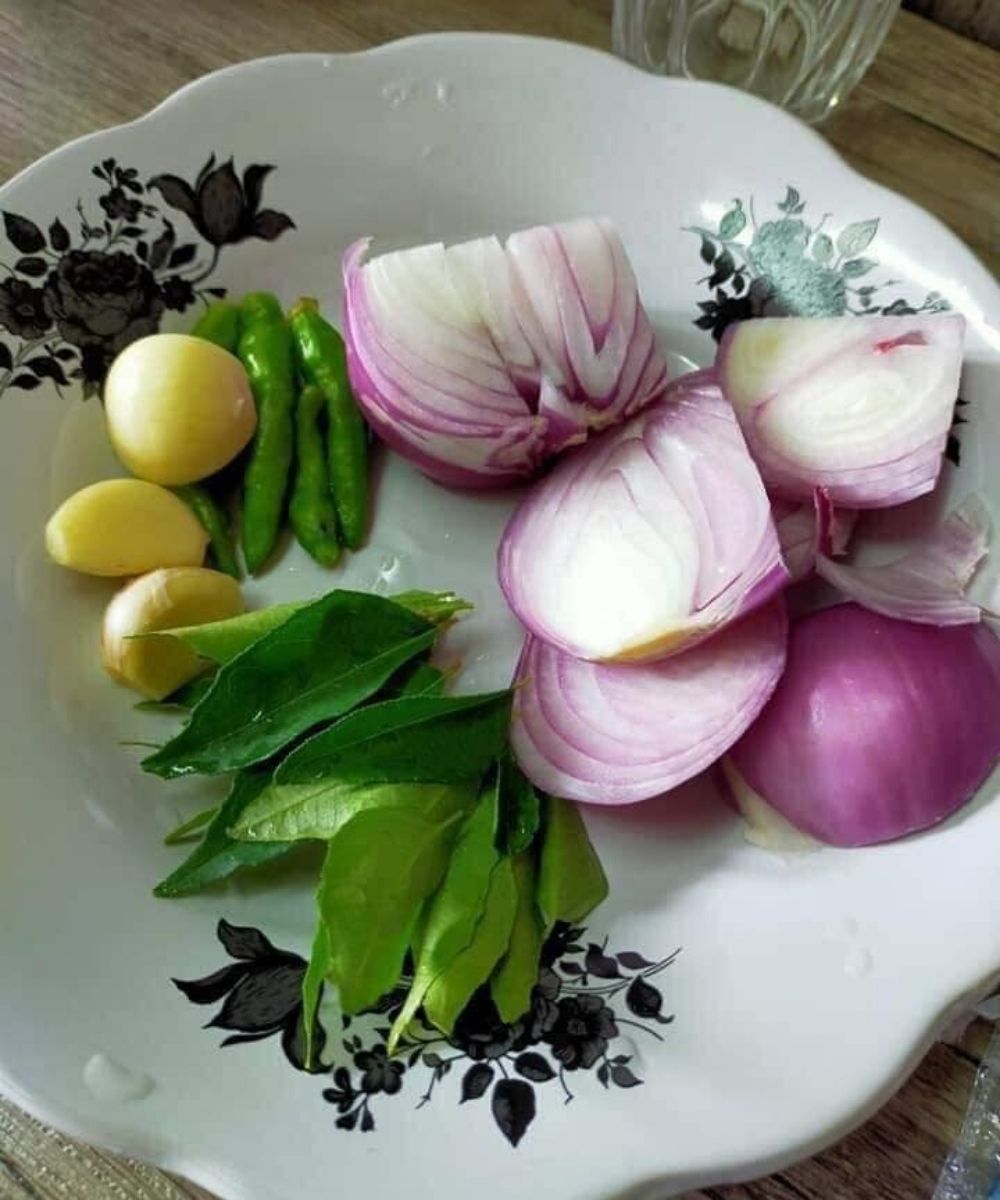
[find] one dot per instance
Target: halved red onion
(878, 727)
(927, 584)
(479, 361)
(619, 733)
(649, 538)
(807, 530)
(859, 407)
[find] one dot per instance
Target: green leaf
(415, 679)
(323, 661)
(365, 758)
(436, 607)
(180, 701)
(517, 974)
(452, 990)
(427, 739)
(822, 249)
(190, 827)
(571, 880)
(311, 811)
(222, 641)
(733, 223)
(518, 808)
(379, 870)
(856, 267)
(218, 855)
(312, 987)
(852, 239)
(456, 909)
(707, 251)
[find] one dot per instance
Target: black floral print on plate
(70, 302)
(584, 996)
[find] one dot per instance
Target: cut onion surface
(860, 407)
(477, 362)
(648, 539)
(619, 733)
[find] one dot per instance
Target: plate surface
(805, 988)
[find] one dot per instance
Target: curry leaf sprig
(440, 854)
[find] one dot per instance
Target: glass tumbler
(805, 55)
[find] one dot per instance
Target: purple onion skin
(878, 728)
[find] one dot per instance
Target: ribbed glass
(805, 55)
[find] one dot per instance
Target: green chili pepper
(219, 323)
(201, 502)
(311, 508)
(266, 351)
(323, 362)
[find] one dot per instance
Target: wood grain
(979, 19)
(925, 121)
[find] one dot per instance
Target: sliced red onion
(860, 407)
(479, 361)
(928, 583)
(619, 733)
(649, 538)
(806, 530)
(878, 727)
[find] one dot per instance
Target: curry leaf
(518, 808)
(193, 825)
(312, 988)
(452, 990)
(218, 856)
(395, 752)
(430, 739)
(454, 917)
(571, 880)
(379, 870)
(222, 641)
(517, 974)
(325, 659)
(297, 812)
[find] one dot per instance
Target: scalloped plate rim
(218, 1176)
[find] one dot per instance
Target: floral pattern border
(71, 301)
(584, 997)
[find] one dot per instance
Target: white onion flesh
(480, 361)
(860, 407)
(649, 538)
(620, 733)
(927, 584)
(806, 530)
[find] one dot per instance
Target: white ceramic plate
(805, 989)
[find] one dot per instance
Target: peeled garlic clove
(124, 527)
(178, 408)
(165, 599)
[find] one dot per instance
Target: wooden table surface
(925, 121)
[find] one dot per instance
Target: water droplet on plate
(858, 962)
(444, 92)
(389, 568)
(108, 1080)
(427, 152)
(396, 92)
